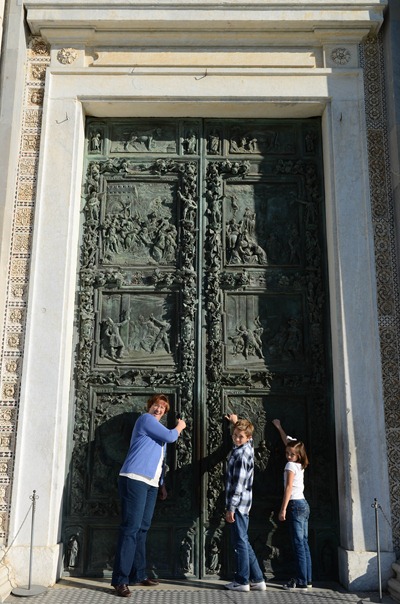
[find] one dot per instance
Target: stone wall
(21, 216)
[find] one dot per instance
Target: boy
(238, 496)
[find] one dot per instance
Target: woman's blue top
(147, 440)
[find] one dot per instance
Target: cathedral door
(202, 275)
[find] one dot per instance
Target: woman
(139, 480)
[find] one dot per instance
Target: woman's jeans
(297, 515)
(247, 567)
(138, 500)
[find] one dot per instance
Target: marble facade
(240, 60)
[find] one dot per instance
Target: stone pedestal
(394, 582)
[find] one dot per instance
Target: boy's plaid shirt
(239, 478)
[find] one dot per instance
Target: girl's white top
(298, 481)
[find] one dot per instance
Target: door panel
(202, 275)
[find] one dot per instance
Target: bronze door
(202, 275)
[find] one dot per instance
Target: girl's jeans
(297, 514)
(247, 567)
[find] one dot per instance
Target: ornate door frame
(77, 87)
(201, 275)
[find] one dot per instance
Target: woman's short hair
(162, 398)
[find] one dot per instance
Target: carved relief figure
(162, 334)
(213, 565)
(72, 552)
(294, 244)
(247, 342)
(286, 343)
(261, 456)
(142, 141)
(309, 140)
(190, 143)
(213, 143)
(92, 208)
(185, 554)
(253, 142)
(116, 344)
(189, 207)
(95, 142)
(245, 144)
(149, 334)
(241, 244)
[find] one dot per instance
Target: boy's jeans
(247, 567)
(298, 513)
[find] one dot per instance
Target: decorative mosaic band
(12, 346)
(372, 60)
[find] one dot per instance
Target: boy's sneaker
(260, 586)
(237, 586)
(292, 585)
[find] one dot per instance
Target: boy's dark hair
(244, 426)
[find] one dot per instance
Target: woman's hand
(282, 515)
(162, 492)
(277, 423)
(181, 425)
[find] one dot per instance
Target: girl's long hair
(300, 451)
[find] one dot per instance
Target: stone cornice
(284, 22)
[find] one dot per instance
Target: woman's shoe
(149, 582)
(123, 591)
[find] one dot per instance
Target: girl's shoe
(237, 586)
(260, 586)
(292, 585)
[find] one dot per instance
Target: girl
(295, 508)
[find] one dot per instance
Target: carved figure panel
(262, 223)
(250, 138)
(137, 328)
(263, 330)
(139, 223)
(139, 137)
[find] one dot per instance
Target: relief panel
(137, 328)
(264, 330)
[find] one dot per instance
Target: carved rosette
(341, 56)
(66, 56)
